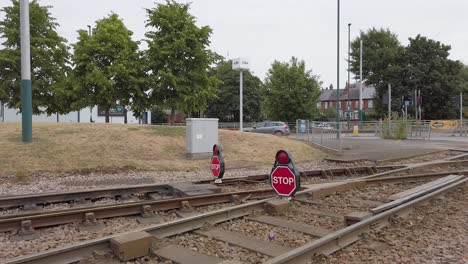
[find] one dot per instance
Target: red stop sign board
(215, 166)
(283, 181)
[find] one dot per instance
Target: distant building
(86, 115)
(328, 99)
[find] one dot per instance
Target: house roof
(368, 92)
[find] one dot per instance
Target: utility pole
(2, 110)
(241, 117)
(360, 84)
(90, 33)
(389, 107)
(389, 101)
(415, 104)
(26, 87)
(461, 112)
(338, 118)
(241, 64)
(349, 71)
(419, 106)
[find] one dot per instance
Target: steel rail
(344, 237)
(413, 156)
(144, 189)
(76, 252)
(51, 218)
(416, 166)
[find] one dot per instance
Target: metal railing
(323, 134)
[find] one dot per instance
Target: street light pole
(241, 99)
(90, 33)
(360, 84)
(349, 70)
(338, 71)
(26, 87)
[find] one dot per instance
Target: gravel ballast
(436, 232)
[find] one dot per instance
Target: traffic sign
(215, 166)
(283, 181)
(284, 177)
(217, 163)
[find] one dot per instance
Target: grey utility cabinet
(202, 134)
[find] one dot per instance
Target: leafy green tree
(291, 91)
(383, 63)
(158, 116)
(226, 105)
(107, 69)
(49, 61)
(430, 70)
(178, 59)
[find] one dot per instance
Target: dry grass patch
(59, 147)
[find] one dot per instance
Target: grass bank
(59, 147)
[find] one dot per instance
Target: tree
(383, 63)
(429, 70)
(178, 59)
(226, 105)
(49, 61)
(107, 69)
(291, 91)
(158, 116)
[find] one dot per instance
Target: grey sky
(265, 30)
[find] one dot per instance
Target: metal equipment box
(202, 134)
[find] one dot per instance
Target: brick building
(328, 99)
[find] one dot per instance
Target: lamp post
(90, 33)
(349, 70)
(338, 71)
(26, 87)
(360, 84)
(241, 64)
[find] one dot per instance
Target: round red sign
(283, 181)
(215, 166)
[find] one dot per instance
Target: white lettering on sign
(283, 180)
(215, 166)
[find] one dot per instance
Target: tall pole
(389, 101)
(415, 104)
(419, 106)
(338, 118)
(90, 33)
(461, 112)
(389, 107)
(360, 84)
(349, 70)
(26, 88)
(2, 110)
(241, 124)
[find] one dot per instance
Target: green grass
(168, 131)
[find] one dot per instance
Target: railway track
(230, 225)
(27, 221)
(160, 198)
(167, 191)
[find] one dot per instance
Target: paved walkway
(373, 148)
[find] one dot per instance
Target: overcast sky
(265, 30)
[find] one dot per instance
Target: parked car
(269, 127)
